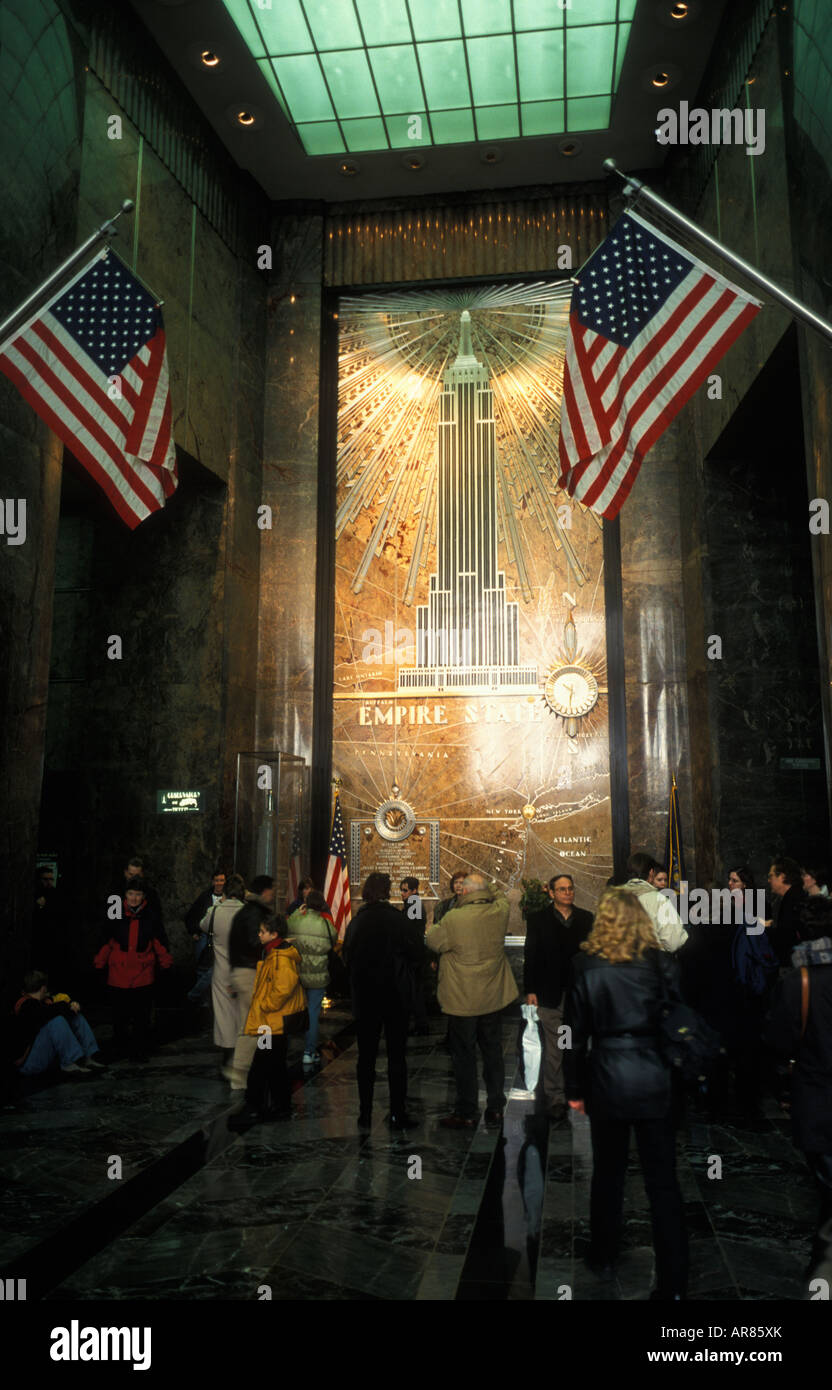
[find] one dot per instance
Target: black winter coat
(244, 946)
(618, 1006)
(812, 1075)
(786, 932)
(119, 888)
(197, 911)
(380, 949)
(551, 943)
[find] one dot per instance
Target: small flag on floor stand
(674, 856)
(337, 885)
(293, 888)
(92, 363)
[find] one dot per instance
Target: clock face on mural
(571, 691)
(469, 596)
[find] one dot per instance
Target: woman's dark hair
(820, 875)
(640, 865)
(235, 887)
(136, 885)
(260, 883)
(376, 888)
(306, 883)
(316, 902)
(745, 877)
(34, 980)
(277, 923)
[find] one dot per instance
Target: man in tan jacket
(475, 985)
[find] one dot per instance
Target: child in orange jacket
(278, 1007)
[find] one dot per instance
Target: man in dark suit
(785, 883)
(553, 936)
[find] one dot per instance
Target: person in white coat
(217, 923)
(667, 924)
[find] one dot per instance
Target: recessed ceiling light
(209, 58)
(246, 118)
(675, 14)
(348, 168)
(662, 77)
(491, 156)
(570, 148)
(415, 162)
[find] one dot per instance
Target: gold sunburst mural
(470, 666)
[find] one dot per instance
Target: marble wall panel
(286, 662)
(42, 116)
(655, 650)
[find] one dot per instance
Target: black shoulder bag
(206, 960)
(687, 1043)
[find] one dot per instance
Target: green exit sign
(179, 802)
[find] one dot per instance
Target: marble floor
(131, 1186)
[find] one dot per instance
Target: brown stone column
(658, 738)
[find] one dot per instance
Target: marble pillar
(655, 658)
(286, 659)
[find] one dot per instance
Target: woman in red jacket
(131, 956)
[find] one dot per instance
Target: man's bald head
(473, 883)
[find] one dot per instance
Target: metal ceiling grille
(358, 75)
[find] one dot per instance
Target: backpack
(687, 1043)
(753, 960)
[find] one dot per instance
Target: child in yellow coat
(278, 1006)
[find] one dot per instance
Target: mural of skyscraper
(467, 637)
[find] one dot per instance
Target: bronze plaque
(416, 856)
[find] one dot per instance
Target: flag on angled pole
(674, 856)
(648, 323)
(92, 364)
(337, 885)
(293, 887)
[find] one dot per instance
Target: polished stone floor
(311, 1209)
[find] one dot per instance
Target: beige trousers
(552, 1069)
(242, 980)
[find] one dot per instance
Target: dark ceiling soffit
(273, 154)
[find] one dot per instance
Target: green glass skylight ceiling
(351, 75)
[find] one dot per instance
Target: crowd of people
(756, 992)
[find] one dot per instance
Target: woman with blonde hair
(621, 980)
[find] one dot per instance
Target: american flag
(294, 867)
(92, 364)
(648, 324)
(337, 885)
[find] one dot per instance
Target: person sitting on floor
(51, 1029)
